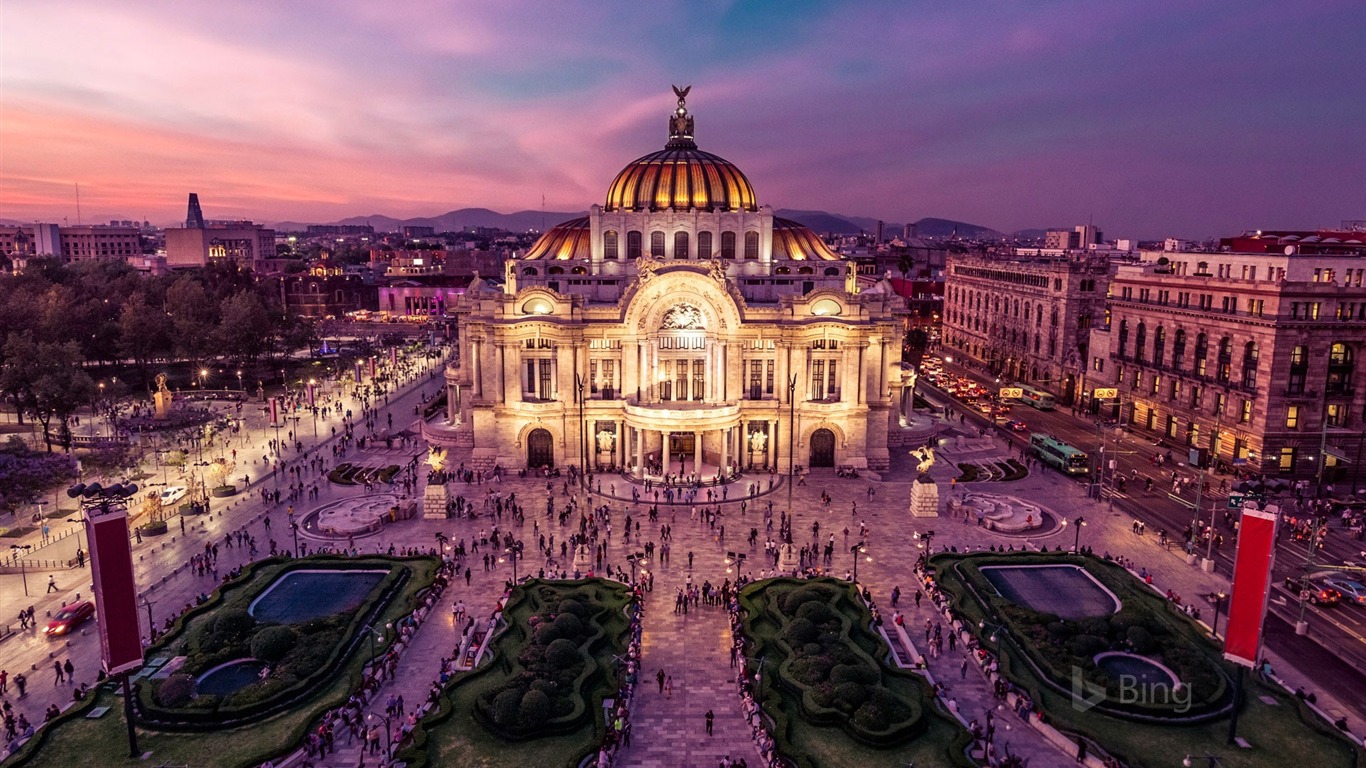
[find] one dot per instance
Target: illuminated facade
(681, 329)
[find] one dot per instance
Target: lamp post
(791, 439)
(23, 570)
(514, 551)
(1076, 536)
(294, 529)
(374, 717)
(239, 382)
(579, 381)
(855, 550)
(151, 625)
(1219, 598)
(313, 406)
(203, 374)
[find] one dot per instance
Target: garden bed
(347, 473)
(832, 700)
(75, 740)
(539, 701)
(1039, 654)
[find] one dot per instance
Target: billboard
(275, 411)
(116, 594)
(1251, 585)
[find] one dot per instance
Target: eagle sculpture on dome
(681, 123)
(681, 93)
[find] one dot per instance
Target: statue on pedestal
(162, 398)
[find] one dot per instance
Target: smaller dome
(570, 240)
(797, 242)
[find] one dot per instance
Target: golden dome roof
(795, 241)
(569, 240)
(681, 176)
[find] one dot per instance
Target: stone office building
(1027, 319)
(680, 328)
(1249, 357)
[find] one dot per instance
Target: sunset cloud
(1150, 118)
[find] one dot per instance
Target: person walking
(710, 718)
(51, 584)
(59, 675)
(70, 670)
(660, 677)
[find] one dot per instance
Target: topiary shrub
(535, 708)
(272, 643)
(1086, 646)
(853, 673)
(507, 708)
(569, 626)
(800, 632)
(1141, 640)
(176, 690)
(233, 623)
(815, 612)
(562, 654)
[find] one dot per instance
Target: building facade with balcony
(1027, 319)
(678, 329)
(1249, 357)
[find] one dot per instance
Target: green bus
(1058, 454)
(1037, 398)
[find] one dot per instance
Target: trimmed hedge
(309, 653)
(814, 633)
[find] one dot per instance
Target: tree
(192, 317)
(143, 332)
(244, 328)
(17, 371)
(59, 386)
(25, 474)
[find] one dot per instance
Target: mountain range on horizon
(821, 222)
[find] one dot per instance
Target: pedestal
(1207, 564)
(924, 497)
(434, 501)
(788, 560)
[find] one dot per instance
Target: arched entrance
(822, 448)
(540, 449)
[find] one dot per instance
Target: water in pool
(309, 594)
(229, 678)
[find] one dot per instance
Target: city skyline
(1149, 119)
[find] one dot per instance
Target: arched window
(727, 245)
(806, 271)
(555, 271)
(681, 245)
(1250, 357)
(633, 244)
(1179, 349)
(1159, 346)
(1140, 341)
(1201, 352)
(1224, 361)
(657, 245)
(751, 245)
(704, 245)
(609, 244)
(832, 271)
(1339, 370)
(1038, 315)
(1123, 338)
(529, 271)
(1299, 370)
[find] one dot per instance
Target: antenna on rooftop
(78, 203)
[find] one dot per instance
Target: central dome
(681, 177)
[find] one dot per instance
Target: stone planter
(223, 491)
(155, 528)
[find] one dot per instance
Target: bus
(1058, 454)
(1037, 398)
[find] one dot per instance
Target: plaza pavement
(668, 731)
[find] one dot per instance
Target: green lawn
(452, 736)
(76, 741)
(1280, 734)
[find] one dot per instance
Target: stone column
(640, 452)
(664, 451)
(725, 448)
(697, 453)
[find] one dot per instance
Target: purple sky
(1149, 118)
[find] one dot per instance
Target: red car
(1017, 426)
(70, 617)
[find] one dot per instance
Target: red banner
(116, 592)
(312, 396)
(358, 372)
(275, 411)
(1251, 585)
(393, 355)
(372, 367)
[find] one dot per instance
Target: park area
(539, 701)
(825, 684)
(1102, 655)
(245, 675)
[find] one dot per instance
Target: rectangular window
(1292, 417)
(756, 379)
(1286, 459)
(633, 245)
(699, 379)
(768, 386)
(1314, 308)
(1219, 400)
(1171, 425)
(817, 379)
(657, 245)
(1176, 390)
(1336, 414)
(544, 391)
(1245, 416)
(593, 376)
(680, 380)
(704, 245)
(1195, 396)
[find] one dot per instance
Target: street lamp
(313, 405)
(1219, 598)
(1076, 536)
(855, 551)
(203, 374)
(514, 551)
(294, 529)
(239, 382)
(23, 570)
(388, 727)
(791, 439)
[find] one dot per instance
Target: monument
(436, 496)
(924, 497)
(161, 399)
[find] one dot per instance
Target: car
(1017, 426)
(1319, 594)
(1351, 590)
(69, 617)
(172, 494)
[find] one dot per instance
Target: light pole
(855, 551)
(514, 552)
(1076, 536)
(1219, 598)
(388, 727)
(313, 405)
(151, 625)
(203, 374)
(294, 529)
(579, 381)
(23, 570)
(239, 382)
(791, 440)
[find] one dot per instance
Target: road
(1335, 647)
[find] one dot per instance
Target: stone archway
(540, 449)
(822, 448)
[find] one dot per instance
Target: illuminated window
(1286, 461)
(609, 244)
(1292, 417)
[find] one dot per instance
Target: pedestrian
(669, 687)
(660, 677)
(51, 584)
(918, 595)
(58, 675)
(710, 717)
(963, 670)
(70, 671)
(20, 683)
(896, 595)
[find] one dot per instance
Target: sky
(1152, 118)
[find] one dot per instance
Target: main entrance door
(822, 448)
(540, 449)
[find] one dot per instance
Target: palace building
(679, 328)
